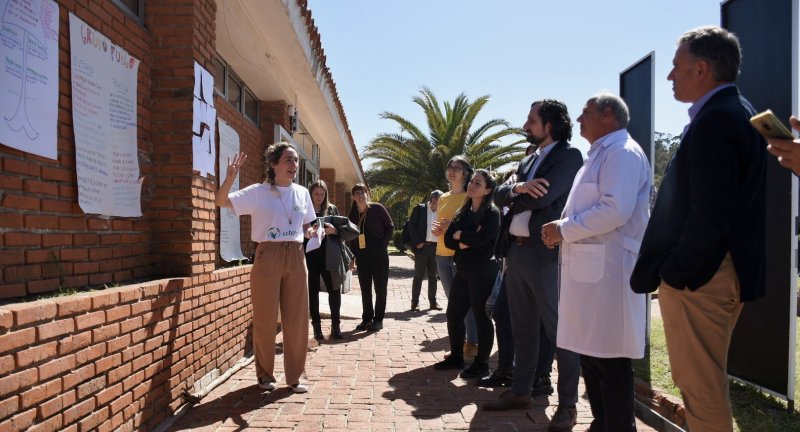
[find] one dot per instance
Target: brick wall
(47, 241)
(118, 359)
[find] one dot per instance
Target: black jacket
(558, 168)
(712, 201)
(418, 225)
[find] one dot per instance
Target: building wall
(120, 358)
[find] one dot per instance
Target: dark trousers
(471, 288)
(505, 339)
(373, 269)
(424, 264)
(315, 271)
(609, 384)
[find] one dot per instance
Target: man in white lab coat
(600, 231)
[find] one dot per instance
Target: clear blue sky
(382, 52)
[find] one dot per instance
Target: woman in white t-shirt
(281, 213)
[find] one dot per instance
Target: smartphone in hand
(769, 126)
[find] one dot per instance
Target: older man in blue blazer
(705, 243)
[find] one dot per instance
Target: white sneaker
(299, 388)
(266, 383)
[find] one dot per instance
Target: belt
(520, 241)
(430, 243)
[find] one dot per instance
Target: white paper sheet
(230, 246)
(29, 76)
(104, 119)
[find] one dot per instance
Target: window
(220, 75)
(235, 92)
(132, 7)
(251, 106)
(233, 89)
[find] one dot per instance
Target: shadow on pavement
(235, 408)
(436, 394)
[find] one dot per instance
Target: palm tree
(410, 164)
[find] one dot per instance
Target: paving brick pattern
(373, 382)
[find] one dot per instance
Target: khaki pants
(278, 284)
(698, 327)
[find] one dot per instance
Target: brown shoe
(563, 420)
(508, 400)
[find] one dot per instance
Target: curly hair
(555, 112)
(273, 156)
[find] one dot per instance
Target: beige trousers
(698, 327)
(278, 284)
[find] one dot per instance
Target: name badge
(362, 241)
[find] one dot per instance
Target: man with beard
(543, 183)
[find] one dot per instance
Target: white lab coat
(603, 224)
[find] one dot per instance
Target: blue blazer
(712, 201)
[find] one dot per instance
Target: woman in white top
(281, 214)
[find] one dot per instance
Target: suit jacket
(712, 201)
(418, 225)
(558, 168)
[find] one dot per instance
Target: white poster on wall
(204, 122)
(230, 245)
(29, 84)
(104, 89)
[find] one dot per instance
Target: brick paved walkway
(372, 382)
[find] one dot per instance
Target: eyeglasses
(454, 168)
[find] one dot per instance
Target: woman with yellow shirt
(458, 173)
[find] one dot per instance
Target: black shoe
(318, 331)
(375, 326)
(336, 332)
(451, 362)
(542, 387)
(475, 370)
(363, 326)
(435, 306)
(414, 307)
(498, 378)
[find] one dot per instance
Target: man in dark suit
(424, 247)
(704, 245)
(543, 183)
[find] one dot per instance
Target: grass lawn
(753, 410)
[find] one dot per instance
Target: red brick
(120, 403)
(91, 387)
(118, 374)
(90, 320)
(44, 285)
(78, 376)
(13, 340)
(41, 221)
(12, 257)
(90, 422)
(10, 182)
(6, 319)
(78, 410)
(22, 273)
(6, 365)
(118, 313)
(129, 324)
(56, 404)
(26, 313)
(55, 328)
(105, 299)
(22, 239)
(21, 202)
(74, 342)
(35, 354)
(105, 333)
(100, 253)
(50, 240)
(108, 362)
(51, 173)
(72, 223)
(39, 393)
(91, 353)
(74, 305)
(9, 406)
(53, 424)
(74, 254)
(56, 367)
(20, 422)
(109, 394)
(11, 383)
(118, 344)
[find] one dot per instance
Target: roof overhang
(273, 46)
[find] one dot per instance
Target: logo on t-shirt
(273, 232)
